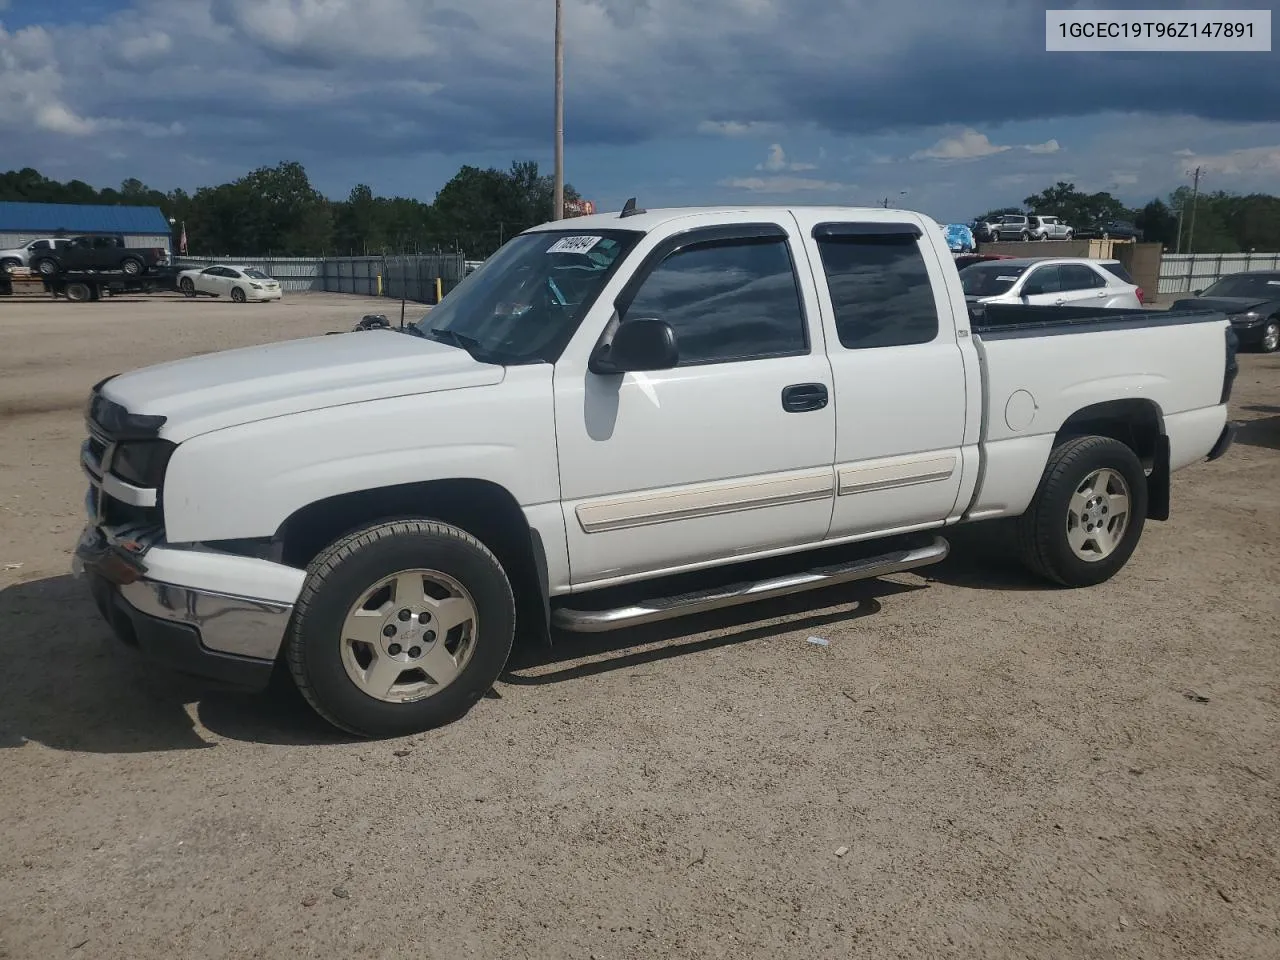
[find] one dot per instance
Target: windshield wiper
(474, 347)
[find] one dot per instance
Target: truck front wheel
(1088, 513)
(401, 627)
(131, 265)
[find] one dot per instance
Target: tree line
(276, 211)
(1217, 222)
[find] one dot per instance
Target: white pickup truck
(603, 408)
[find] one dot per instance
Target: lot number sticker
(573, 244)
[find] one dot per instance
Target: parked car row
(1018, 226)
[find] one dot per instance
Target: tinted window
(253, 274)
(39, 245)
(880, 291)
(1117, 270)
(989, 279)
(1042, 280)
(1246, 285)
(729, 300)
(1076, 276)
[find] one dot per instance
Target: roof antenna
(629, 209)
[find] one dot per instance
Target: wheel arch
(486, 510)
(1138, 423)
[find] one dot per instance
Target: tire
(1104, 235)
(325, 660)
(1043, 238)
(8, 263)
(238, 295)
(1024, 236)
(995, 236)
(1071, 234)
(1270, 340)
(79, 292)
(131, 266)
(187, 287)
(1044, 543)
(46, 268)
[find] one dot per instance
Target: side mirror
(1197, 292)
(1033, 290)
(645, 343)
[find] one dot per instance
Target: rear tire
(131, 266)
(335, 671)
(1024, 236)
(46, 268)
(238, 295)
(1052, 538)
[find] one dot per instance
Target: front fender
(244, 481)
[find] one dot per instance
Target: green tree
(1077, 208)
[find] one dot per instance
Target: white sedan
(241, 284)
(1052, 282)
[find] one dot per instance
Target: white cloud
(777, 161)
(1246, 161)
(969, 144)
(736, 128)
(1049, 146)
(783, 184)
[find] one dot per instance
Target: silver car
(1052, 282)
(1050, 228)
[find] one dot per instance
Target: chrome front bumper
(192, 609)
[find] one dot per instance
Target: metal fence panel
(411, 276)
(1186, 272)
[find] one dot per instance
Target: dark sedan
(1251, 302)
(1113, 230)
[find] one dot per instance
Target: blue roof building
(21, 222)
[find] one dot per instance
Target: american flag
(182, 240)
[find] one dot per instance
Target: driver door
(1042, 287)
(729, 454)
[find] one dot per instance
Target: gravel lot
(1015, 771)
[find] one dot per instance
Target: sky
(951, 107)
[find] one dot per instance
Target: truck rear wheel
(1088, 513)
(401, 627)
(47, 268)
(131, 265)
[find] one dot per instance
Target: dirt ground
(1015, 771)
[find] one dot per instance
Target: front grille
(102, 508)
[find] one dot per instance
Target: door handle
(1102, 293)
(1059, 302)
(803, 397)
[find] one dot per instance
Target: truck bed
(1004, 320)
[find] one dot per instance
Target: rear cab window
(881, 293)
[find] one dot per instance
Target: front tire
(187, 287)
(1024, 236)
(1270, 341)
(1087, 515)
(364, 648)
(131, 266)
(238, 295)
(47, 268)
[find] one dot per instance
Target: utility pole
(1195, 191)
(557, 199)
(1178, 247)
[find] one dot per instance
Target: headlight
(1251, 317)
(142, 463)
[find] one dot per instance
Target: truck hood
(233, 387)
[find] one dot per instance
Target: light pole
(557, 198)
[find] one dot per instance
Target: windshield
(1242, 285)
(524, 303)
(256, 274)
(989, 279)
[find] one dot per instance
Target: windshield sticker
(1011, 279)
(573, 244)
(1273, 283)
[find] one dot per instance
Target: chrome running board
(685, 604)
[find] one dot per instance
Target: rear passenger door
(1082, 286)
(904, 400)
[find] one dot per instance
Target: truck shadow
(68, 686)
